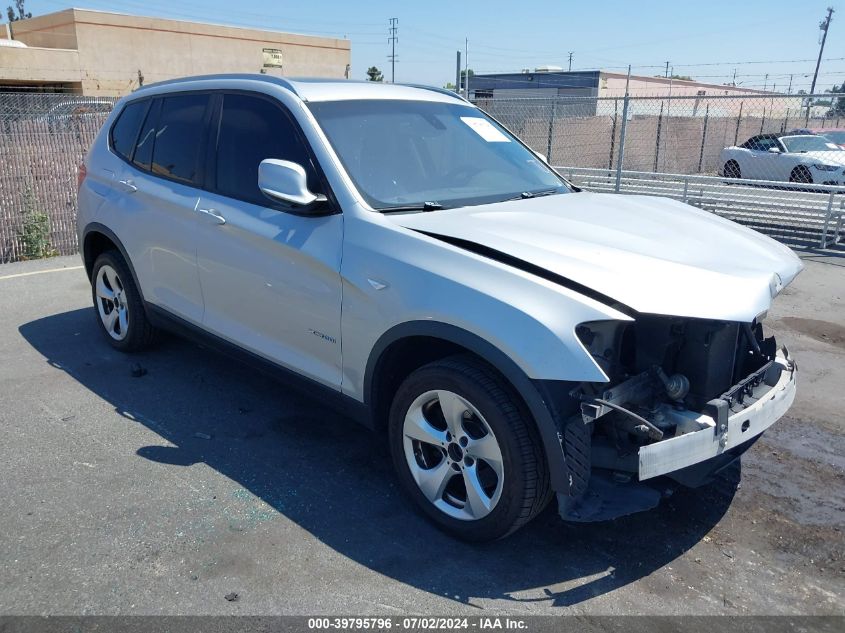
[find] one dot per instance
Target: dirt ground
(164, 493)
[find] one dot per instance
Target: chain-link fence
(782, 155)
(43, 138)
(785, 183)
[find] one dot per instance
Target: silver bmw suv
(511, 337)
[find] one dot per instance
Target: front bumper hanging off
(728, 422)
(709, 442)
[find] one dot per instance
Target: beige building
(98, 53)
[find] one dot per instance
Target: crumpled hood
(655, 255)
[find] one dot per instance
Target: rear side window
(252, 129)
(125, 129)
(178, 137)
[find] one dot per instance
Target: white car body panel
(778, 166)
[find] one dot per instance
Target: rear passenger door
(270, 273)
(161, 186)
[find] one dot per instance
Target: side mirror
(286, 181)
(774, 150)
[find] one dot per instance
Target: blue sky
(509, 36)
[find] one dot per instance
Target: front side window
(409, 153)
(762, 143)
(178, 137)
(251, 130)
(125, 129)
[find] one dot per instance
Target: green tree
(22, 13)
(374, 74)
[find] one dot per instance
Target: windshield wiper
(425, 206)
(525, 195)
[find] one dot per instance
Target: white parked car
(510, 337)
(801, 158)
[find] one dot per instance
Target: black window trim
(330, 207)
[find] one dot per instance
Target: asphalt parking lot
(167, 492)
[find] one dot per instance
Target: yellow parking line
(40, 272)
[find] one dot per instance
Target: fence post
(686, 187)
(621, 159)
(763, 120)
(552, 113)
(613, 133)
(657, 144)
(785, 122)
(827, 219)
(703, 137)
(738, 121)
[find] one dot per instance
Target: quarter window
(252, 129)
(125, 130)
(179, 136)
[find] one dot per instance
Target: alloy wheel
(453, 455)
(112, 302)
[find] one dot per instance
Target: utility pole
(394, 28)
(789, 90)
(466, 68)
(458, 73)
(570, 61)
(824, 25)
(667, 70)
(765, 81)
(734, 79)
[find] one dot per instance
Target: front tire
(801, 174)
(118, 304)
(466, 451)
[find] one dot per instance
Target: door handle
(129, 185)
(213, 215)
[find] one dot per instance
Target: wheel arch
(98, 238)
(389, 363)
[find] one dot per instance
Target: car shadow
(333, 477)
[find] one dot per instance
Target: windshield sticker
(485, 129)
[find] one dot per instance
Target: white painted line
(40, 272)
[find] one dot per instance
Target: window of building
(252, 129)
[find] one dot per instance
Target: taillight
(80, 175)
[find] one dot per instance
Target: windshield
(415, 153)
(837, 137)
(809, 143)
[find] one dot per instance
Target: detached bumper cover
(743, 425)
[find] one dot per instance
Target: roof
(318, 89)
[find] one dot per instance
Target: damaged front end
(685, 397)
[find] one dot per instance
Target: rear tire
(732, 170)
(118, 304)
(466, 451)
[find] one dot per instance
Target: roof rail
(284, 83)
(444, 91)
